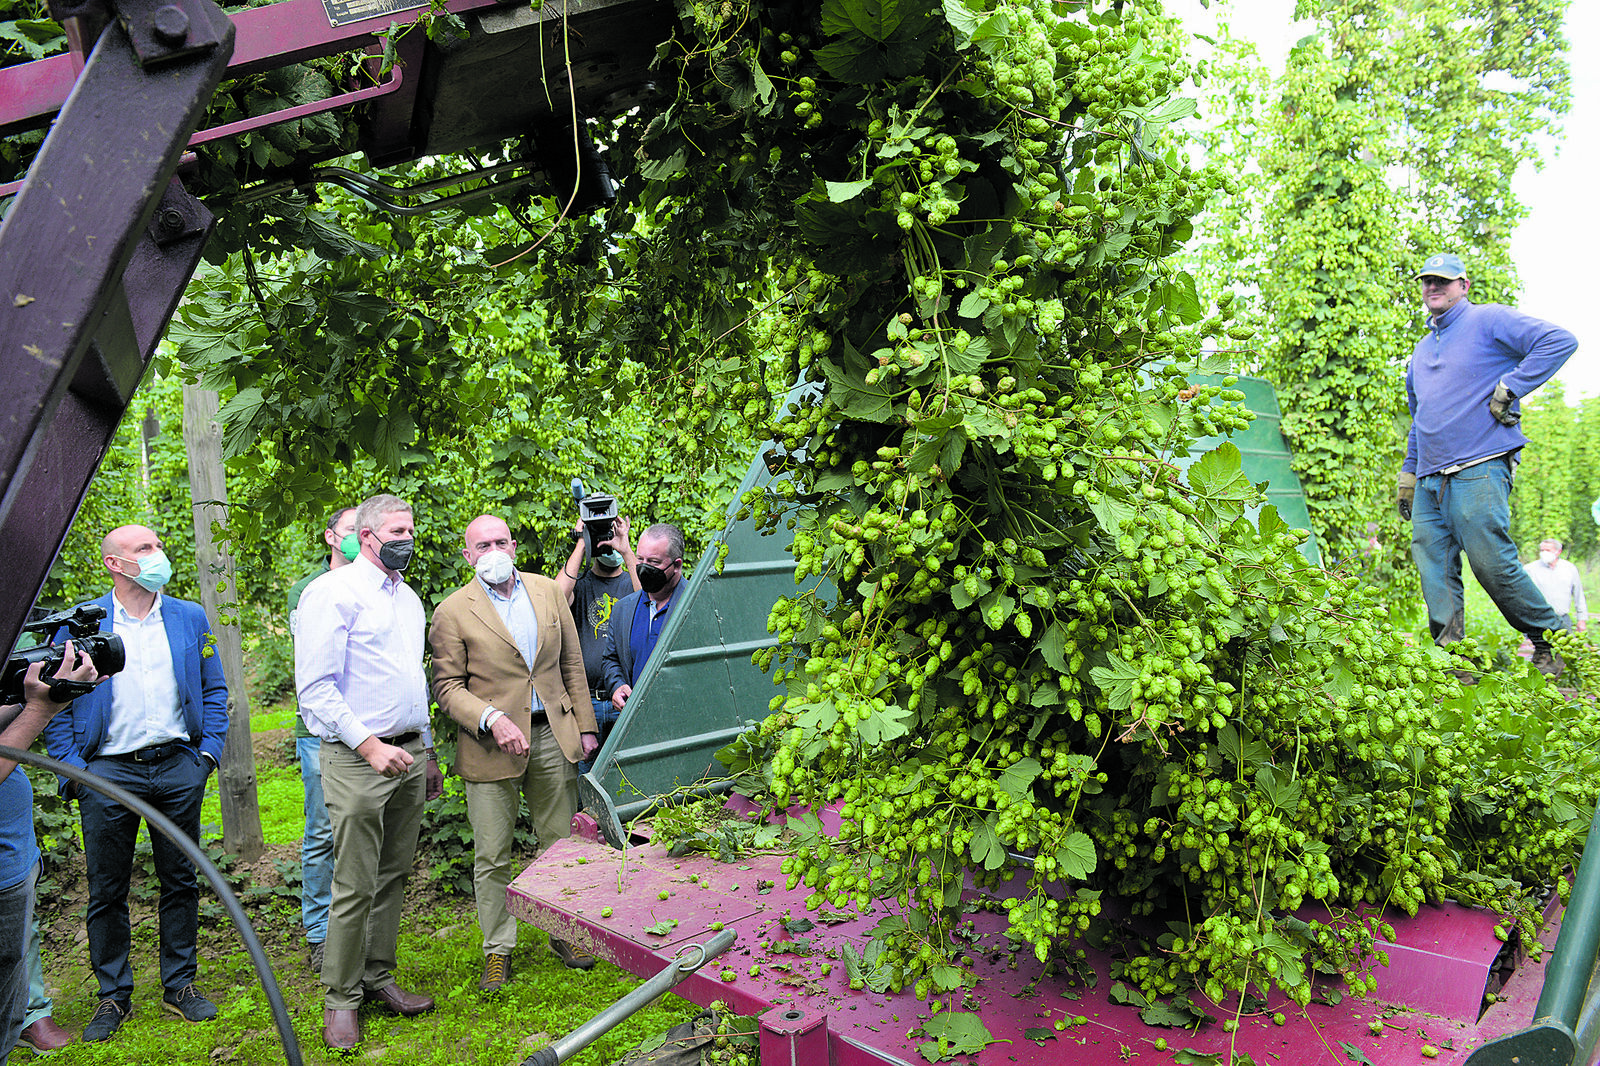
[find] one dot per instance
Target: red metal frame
(290, 31)
(1430, 993)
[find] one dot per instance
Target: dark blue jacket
(618, 662)
(75, 735)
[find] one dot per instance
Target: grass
(280, 797)
(1484, 620)
(440, 953)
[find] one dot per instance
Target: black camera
(599, 514)
(83, 624)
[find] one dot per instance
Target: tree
(1384, 140)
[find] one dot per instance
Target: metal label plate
(344, 12)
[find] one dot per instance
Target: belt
(400, 740)
(153, 753)
(601, 694)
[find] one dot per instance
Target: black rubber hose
(159, 821)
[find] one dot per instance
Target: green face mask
(350, 547)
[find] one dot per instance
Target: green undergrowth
(439, 953)
(280, 796)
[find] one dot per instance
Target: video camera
(83, 623)
(599, 514)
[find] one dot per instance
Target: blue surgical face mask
(155, 570)
(611, 559)
(350, 547)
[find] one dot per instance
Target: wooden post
(241, 810)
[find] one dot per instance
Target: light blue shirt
(516, 611)
(145, 708)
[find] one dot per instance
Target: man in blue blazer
(155, 729)
(637, 620)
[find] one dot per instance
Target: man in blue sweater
(1462, 386)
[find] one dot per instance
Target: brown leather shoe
(45, 1036)
(397, 1000)
(341, 1029)
(571, 957)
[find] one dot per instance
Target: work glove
(1500, 406)
(1405, 493)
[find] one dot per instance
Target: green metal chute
(700, 688)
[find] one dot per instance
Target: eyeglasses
(1431, 282)
(660, 564)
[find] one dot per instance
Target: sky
(1561, 228)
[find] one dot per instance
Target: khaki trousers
(550, 784)
(376, 820)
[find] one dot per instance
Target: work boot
(496, 972)
(1548, 662)
(571, 957)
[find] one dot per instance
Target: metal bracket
(93, 261)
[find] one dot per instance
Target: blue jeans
(16, 915)
(1470, 511)
(316, 846)
(175, 786)
(605, 717)
(39, 1003)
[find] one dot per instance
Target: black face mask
(396, 554)
(652, 579)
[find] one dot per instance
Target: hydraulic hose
(161, 823)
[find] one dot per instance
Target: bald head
(124, 551)
(487, 533)
(125, 540)
(486, 527)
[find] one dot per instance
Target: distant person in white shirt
(358, 671)
(1560, 582)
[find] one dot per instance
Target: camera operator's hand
(21, 723)
(74, 667)
(619, 534)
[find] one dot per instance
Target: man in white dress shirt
(358, 673)
(156, 729)
(1560, 583)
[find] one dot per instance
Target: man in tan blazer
(508, 668)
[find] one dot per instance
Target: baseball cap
(1445, 265)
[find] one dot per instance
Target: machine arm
(94, 254)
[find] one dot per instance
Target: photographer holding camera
(612, 576)
(156, 731)
(20, 724)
